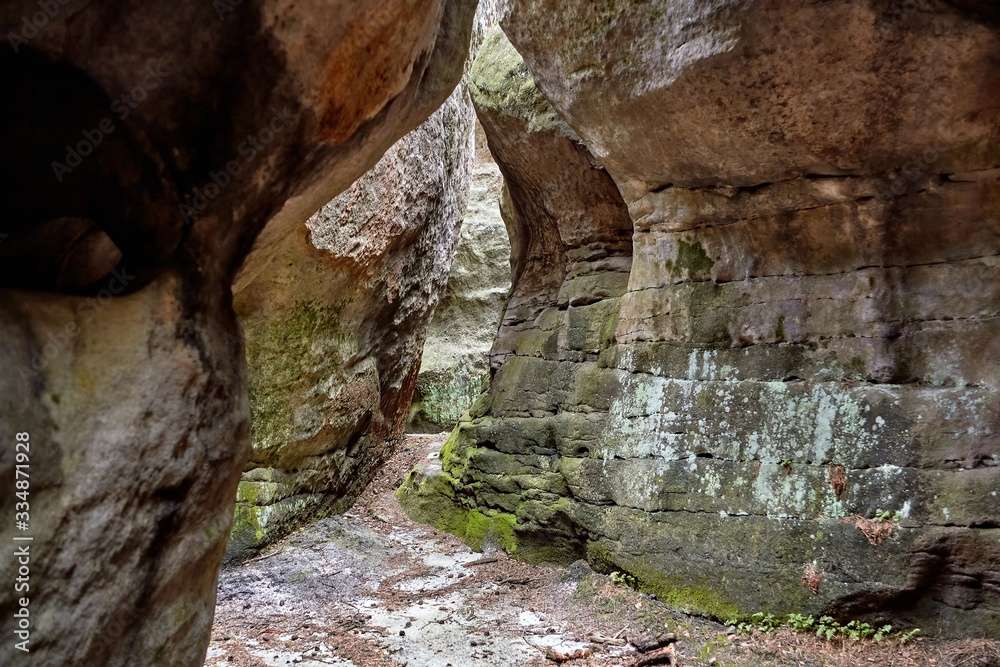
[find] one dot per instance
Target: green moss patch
(281, 360)
(431, 500)
(691, 260)
(693, 597)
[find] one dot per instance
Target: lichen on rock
(752, 296)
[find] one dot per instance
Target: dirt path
(371, 588)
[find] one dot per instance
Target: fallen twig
(609, 641)
(664, 656)
(482, 561)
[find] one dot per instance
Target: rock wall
(154, 142)
(335, 316)
(335, 329)
(454, 366)
(789, 401)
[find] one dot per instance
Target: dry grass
(787, 647)
(876, 531)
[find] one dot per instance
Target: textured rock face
(808, 333)
(164, 138)
(334, 329)
(335, 317)
(454, 366)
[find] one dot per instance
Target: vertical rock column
(335, 324)
(454, 366)
(335, 315)
(570, 254)
(149, 145)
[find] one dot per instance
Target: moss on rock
(694, 597)
(281, 360)
(430, 498)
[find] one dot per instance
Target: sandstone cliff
(335, 325)
(182, 130)
(335, 316)
(801, 353)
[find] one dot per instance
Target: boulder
(156, 144)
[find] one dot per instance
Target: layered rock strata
(791, 404)
(153, 143)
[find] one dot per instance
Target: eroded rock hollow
(155, 141)
(750, 353)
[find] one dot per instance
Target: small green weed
(624, 579)
(824, 627)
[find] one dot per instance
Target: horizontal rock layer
(778, 358)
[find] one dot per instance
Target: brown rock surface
(809, 326)
(179, 129)
(336, 324)
(335, 316)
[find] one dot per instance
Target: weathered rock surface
(809, 328)
(180, 129)
(335, 317)
(454, 366)
(335, 329)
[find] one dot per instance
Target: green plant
(887, 516)
(801, 623)
(624, 579)
(827, 628)
(824, 627)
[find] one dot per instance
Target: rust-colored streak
(372, 65)
(838, 480)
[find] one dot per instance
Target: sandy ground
(371, 588)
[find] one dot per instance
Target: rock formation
(454, 367)
(787, 401)
(335, 317)
(154, 141)
(335, 327)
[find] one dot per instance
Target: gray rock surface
(801, 353)
(335, 331)
(454, 367)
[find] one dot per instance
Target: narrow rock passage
(371, 588)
